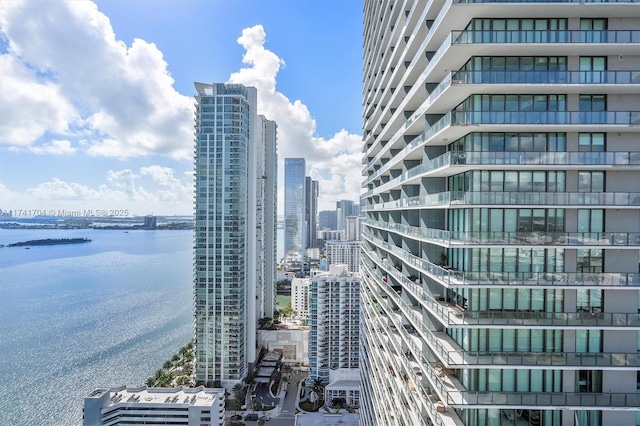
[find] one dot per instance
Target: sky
(96, 97)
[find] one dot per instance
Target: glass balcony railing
(452, 238)
(457, 359)
(605, 199)
(572, 158)
(461, 358)
(453, 278)
(457, 158)
(546, 399)
(545, 77)
(545, 36)
(462, 118)
(473, 198)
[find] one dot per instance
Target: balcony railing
(531, 158)
(471, 198)
(452, 278)
(620, 401)
(453, 238)
(462, 118)
(546, 36)
(618, 199)
(458, 359)
(545, 77)
(571, 158)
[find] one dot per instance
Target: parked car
(251, 417)
(236, 417)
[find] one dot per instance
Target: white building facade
(334, 322)
(501, 239)
(154, 406)
(343, 252)
(300, 296)
(235, 226)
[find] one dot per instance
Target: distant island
(49, 242)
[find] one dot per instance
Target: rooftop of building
(199, 396)
(344, 384)
(326, 419)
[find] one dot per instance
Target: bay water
(75, 317)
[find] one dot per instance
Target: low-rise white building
(154, 406)
(294, 344)
(344, 383)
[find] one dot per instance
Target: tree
(286, 371)
(250, 379)
(288, 311)
(318, 388)
(261, 422)
(238, 393)
(264, 322)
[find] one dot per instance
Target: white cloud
(55, 147)
(335, 162)
(123, 189)
(123, 180)
(29, 106)
(120, 99)
(174, 188)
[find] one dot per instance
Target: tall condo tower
(295, 170)
(234, 229)
(501, 240)
(311, 212)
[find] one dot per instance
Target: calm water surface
(76, 317)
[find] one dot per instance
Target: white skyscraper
(502, 200)
(234, 229)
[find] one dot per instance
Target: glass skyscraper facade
(295, 170)
(232, 226)
(501, 242)
(311, 212)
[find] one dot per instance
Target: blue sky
(95, 97)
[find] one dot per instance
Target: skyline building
(334, 321)
(344, 208)
(327, 219)
(501, 240)
(344, 253)
(311, 212)
(295, 170)
(266, 218)
(234, 230)
(300, 296)
(352, 228)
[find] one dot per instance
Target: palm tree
(318, 388)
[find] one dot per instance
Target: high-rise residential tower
(334, 337)
(235, 158)
(295, 170)
(266, 217)
(311, 212)
(501, 240)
